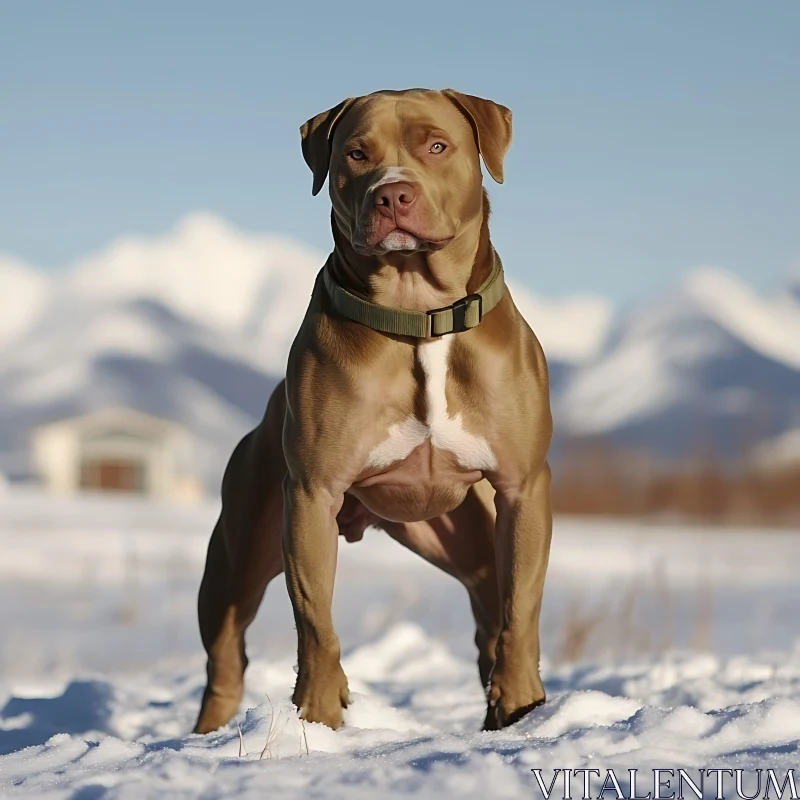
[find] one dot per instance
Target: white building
(116, 450)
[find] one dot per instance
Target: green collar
(462, 315)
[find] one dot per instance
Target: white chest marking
(444, 432)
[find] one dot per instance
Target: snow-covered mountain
(23, 292)
(239, 284)
(571, 330)
(195, 325)
(82, 356)
(712, 365)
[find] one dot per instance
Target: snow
(571, 330)
(101, 670)
(629, 383)
(84, 354)
(23, 292)
(54, 362)
(210, 272)
(770, 325)
(710, 349)
(402, 736)
(781, 451)
(641, 371)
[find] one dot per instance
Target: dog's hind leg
(462, 544)
(244, 555)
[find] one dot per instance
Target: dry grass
(596, 478)
(635, 621)
(273, 731)
(277, 725)
(578, 627)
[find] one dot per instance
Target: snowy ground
(665, 647)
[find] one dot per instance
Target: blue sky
(650, 137)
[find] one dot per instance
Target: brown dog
(428, 433)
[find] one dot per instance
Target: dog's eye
(438, 147)
(357, 155)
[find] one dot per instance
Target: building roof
(115, 416)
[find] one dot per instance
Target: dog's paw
(323, 699)
(498, 717)
(511, 697)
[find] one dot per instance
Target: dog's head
(404, 167)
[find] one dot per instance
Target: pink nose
(395, 199)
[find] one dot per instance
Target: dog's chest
(439, 428)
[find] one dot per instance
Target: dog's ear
(491, 124)
(316, 135)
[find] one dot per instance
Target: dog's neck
(418, 281)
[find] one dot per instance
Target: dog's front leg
(522, 544)
(310, 541)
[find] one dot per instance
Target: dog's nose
(395, 199)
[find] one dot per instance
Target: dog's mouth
(399, 240)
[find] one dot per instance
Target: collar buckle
(459, 311)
